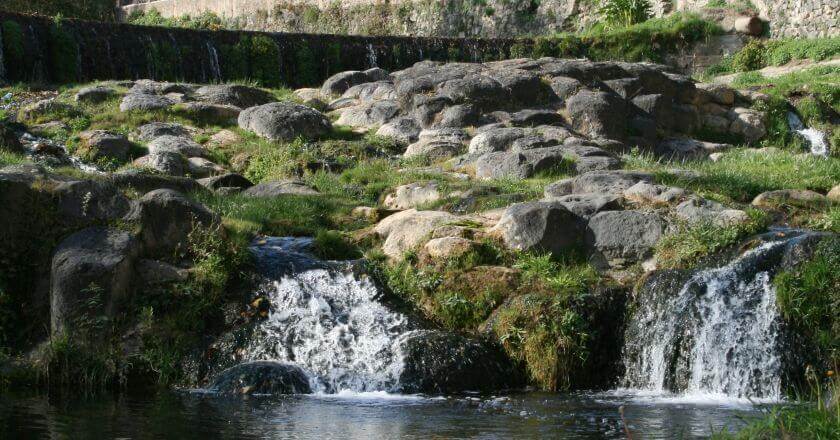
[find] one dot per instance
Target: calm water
(371, 416)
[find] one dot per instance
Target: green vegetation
(63, 54)
(757, 54)
(101, 10)
(206, 20)
(808, 300)
(253, 58)
(14, 50)
(625, 13)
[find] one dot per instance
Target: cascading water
(327, 321)
(718, 333)
(816, 139)
(371, 56)
(215, 67)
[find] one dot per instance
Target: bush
(625, 13)
(752, 56)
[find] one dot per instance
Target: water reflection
(185, 415)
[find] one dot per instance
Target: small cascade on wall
(816, 139)
(371, 56)
(215, 67)
(328, 321)
(716, 332)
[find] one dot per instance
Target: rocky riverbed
(512, 204)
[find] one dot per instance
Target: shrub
(752, 56)
(624, 13)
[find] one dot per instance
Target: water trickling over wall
(715, 331)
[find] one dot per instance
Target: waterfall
(215, 67)
(717, 333)
(371, 55)
(815, 138)
(326, 320)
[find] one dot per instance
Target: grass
(758, 54)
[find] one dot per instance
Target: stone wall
(478, 18)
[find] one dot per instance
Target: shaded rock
(438, 362)
(166, 220)
(9, 140)
(233, 95)
(229, 180)
(278, 188)
(717, 93)
(413, 195)
(95, 94)
(154, 272)
(262, 377)
(404, 130)
(621, 238)
(406, 230)
(201, 167)
(153, 130)
(144, 102)
(598, 114)
(799, 198)
(535, 117)
(98, 145)
(214, 112)
(136, 180)
(92, 274)
(87, 201)
(540, 226)
(284, 121)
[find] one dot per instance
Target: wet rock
(226, 181)
(618, 239)
(175, 144)
(442, 363)
(262, 377)
(540, 226)
(284, 121)
(95, 94)
(97, 145)
(92, 274)
(166, 220)
(153, 130)
(798, 198)
(413, 195)
(404, 130)
(406, 230)
(233, 95)
(279, 188)
(144, 102)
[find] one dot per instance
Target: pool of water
(194, 415)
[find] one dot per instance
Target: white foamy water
(330, 323)
(717, 337)
(817, 141)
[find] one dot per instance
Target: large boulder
(94, 94)
(497, 139)
(262, 377)
(540, 226)
(340, 82)
(621, 238)
(98, 145)
(284, 121)
(588, 204)
(153, 130)
(413, 195)
(404, 130)
(140, 182)
(279, 188)
(598, 114)
(369, 115)
(144, 102)
(176, 144)
(229, 180)
(88, 201)
(92, 274)
(438, 362)
(407, 230)
(608, 182)
(233, 94)
(799, 198)
(166, 219)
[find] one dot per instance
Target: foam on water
(816, 139)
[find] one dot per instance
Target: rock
(647, 193)
(44, 107)
(154, 273)
(618, 239)
(149, 87)
(144, 102)
(88, 201)
(749, 25)
(9, 140)
(697, 210)
(167, 219)
(604, 182)
(95, 94)
(174, 144)
(683, 148)
(340, 82)
(47, 129)
(311, 97)
(377, 74)
(406, 230)
(587, 205)
(136, 180)
(166, 162)
(448, 247)
(284, 121)
(92, 274)
(200, 167)
(598, 114)
(233, 95)
(365, 213)
(747, 123)
(213, 112)
(369, 115)
(404, 130)
(717, 93)
(540, 226)
(278, 188)
(222, 139)
(97, 145)
(262, 377)
(153, 130)
(434, 149)
(535, 117)
(519, 165)
(438, 362)
(413, 195)
(226, 181)
(497, 139)
(834, 194)
(797, 198)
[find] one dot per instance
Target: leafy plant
(625, 13)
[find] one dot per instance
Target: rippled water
(185, 415)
